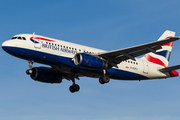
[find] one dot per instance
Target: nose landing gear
(29, 71)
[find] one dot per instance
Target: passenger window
(23, 38)
(69, 47)
(80, 50)
(52, 44)
(46, 42)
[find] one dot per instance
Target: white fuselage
(50, 46)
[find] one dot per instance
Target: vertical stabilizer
(161, 57)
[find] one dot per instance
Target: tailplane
(161, 57)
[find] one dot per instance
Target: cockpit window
(23, 38)
(13, 38)
(20, 38)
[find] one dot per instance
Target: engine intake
(89, 61)
(45, 75)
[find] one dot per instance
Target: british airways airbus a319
(71, 61)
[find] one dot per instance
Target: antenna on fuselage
(33, 33)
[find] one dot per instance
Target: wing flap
(136, 53)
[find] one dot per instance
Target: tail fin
(161, 57)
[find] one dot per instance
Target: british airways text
(57, 48)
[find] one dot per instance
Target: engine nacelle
(89, 61)
(45, 75)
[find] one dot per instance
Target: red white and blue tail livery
(71, 61)
(161, 57)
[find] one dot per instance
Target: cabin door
(145, 67)
(37, 43)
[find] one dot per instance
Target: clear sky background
(104, 24)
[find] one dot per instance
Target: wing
(117, 56)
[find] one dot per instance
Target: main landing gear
(29, 71)
(104, 78)
(74, 87)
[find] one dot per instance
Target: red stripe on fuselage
(154, 60)
(39, 38)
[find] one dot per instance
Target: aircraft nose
(5, 46)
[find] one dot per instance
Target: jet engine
(89, 61)
(46, 75)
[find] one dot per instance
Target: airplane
(71, 61)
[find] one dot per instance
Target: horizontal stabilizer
(170, 68)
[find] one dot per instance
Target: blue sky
(104, 24)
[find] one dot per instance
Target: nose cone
(5, 46)
(10, 47)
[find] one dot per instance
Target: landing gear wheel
(74, 88)
(104, 79)
(101, 80)
(29, 71)
(71, 89)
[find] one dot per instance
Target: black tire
(101, 80)
(29, 71)
(71, 89)
(105, 79)
(74, 88)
